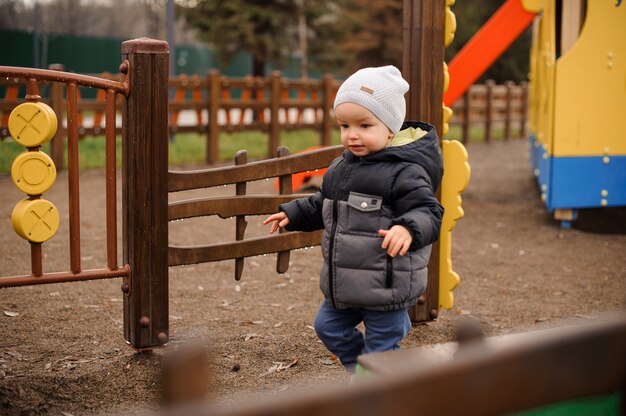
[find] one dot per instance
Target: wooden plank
(482, 381)
(316, 159)
(241, 158)
(228, 206)
(285, 187)
(246, 248)
(422, 67)
(144, 193)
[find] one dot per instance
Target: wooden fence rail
(489, 105)
(241, 204)
(214, 103)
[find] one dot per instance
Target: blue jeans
(337, 330)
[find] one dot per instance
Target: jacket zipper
(389, 275)
(331, 256)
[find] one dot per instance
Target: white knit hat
(381, 90)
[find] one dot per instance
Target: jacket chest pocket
(364, 212)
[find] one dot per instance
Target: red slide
(506, 24)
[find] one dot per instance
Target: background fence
(213, 103)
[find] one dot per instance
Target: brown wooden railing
(216, 104)
(213, 103)
(572, 370)
(241, 204)
(488, 105)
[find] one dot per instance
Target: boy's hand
(278, 220)
(397, 240)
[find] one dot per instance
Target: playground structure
(577, 96)
(577, 102)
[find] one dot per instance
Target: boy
(380, 215)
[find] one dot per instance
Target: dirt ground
(62, 349)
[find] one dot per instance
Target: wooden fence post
(423, 34)
(57, 146)
(213, 131)
(524, 117)
(327, 104)
(144, 192)
(275, 98)
(488, 109)
(465, 135)
(285, 187)
(509, 109)
(241, 158)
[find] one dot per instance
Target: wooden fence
(213, 103)
(489, 105)
(216, 103)
(579, 369)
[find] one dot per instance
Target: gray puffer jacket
(359, 196)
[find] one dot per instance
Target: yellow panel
(33, 172)
(35, 220)
(591, 86)
(32, 124)
(542, 76)
(533, 6)
(456, 176)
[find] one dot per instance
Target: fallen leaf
(11, 313)
(286, 366)
(278, 324)
(281, 285)
(256, 322)
(66, 413)
(55, 294)
(310, 327)
(542, 319)
(248, 337)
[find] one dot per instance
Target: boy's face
(362, 133)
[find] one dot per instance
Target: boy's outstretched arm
(278, 220)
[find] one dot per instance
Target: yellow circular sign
(33, 172)
(32, 124)
(35, 220)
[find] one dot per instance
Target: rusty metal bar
(111, 197)
(36, 259)
(316, 159)
(73, 172)
(64, 277)
(32, 90)
(247, 248)
(228, 206)
(56, 76)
